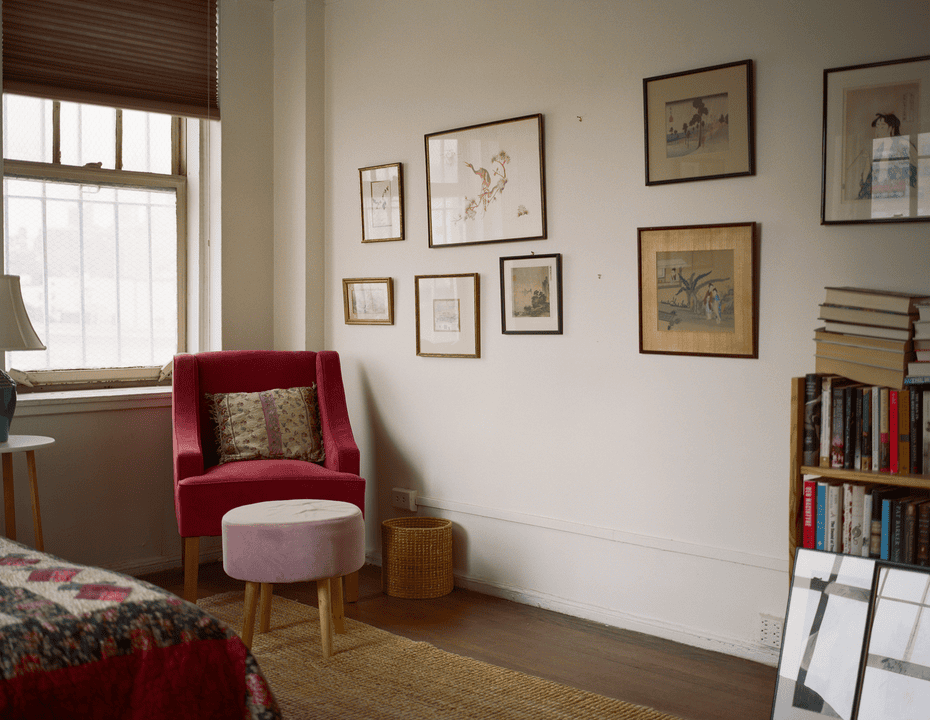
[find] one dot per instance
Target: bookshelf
(799, 470)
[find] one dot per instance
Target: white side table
(27, 444)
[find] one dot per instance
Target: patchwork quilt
(80, 641)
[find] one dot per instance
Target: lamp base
(7, 404)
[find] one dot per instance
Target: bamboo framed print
(486, 183)
(447, 316)
(368, 301)
(699, 124)
(876, 143)
(382, 194)
(698, 290)
(531, 295)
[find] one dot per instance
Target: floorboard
(689, 682)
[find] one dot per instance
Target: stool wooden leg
(34, 487)
(191, 566)
(248, 612)
(326, 616)
(351, 594)
(265, 608)
(9, 501)
(335, 588)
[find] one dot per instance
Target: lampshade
(16, 331)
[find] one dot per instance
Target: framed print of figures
(697, 290)
(876, 143)
(486, 183)
(531, 295)
(368, 301)
(382, 189)
(699, 124)
(448, 323)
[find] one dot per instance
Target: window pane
(99, 273)
(146, 142)
(28, 135)
(88, 135)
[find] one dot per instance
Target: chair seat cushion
(270, 424)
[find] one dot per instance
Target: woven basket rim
(417, 523)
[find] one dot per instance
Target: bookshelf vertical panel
(795, 487)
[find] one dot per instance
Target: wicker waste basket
(416, 557)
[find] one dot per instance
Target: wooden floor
(678, 679)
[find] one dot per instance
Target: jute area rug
(375, 675)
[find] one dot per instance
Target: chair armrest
(185, 418)
(339, 445)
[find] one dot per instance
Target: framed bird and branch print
(486, 183)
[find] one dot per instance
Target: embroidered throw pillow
(271, 424)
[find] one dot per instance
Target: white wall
(647, 492)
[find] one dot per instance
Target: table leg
(9, 501)
(34, 488)
(248, 614)
(265, 608)
(326, 616)
(339, 615)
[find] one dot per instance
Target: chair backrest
(246, 371)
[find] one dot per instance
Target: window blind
(153, 55)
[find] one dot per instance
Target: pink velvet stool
(285, 541)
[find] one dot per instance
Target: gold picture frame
(382, 195)
(447, 315)
(698, 290)
(368, 301)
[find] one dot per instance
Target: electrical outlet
(404, 499)
(770, 630)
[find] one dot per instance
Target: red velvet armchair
(204, 491)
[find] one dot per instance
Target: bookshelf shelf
(799, 470)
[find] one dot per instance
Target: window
(95, 225)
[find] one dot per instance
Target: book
(921, 344)
(904, 431)
(868, 374)
(821, 532)
(853, 499)
(917, 380)
(876, 434)
(915, 420)
(834, 516)
(812, 402)
(867, 522)
(850, 431)
(822, 335)
(884, 443)
(925, 431)
(923, 309)
(909, 543)
(838, 421)
(888, 300)
(918, 367)
(922, 554)
(892, 431)
(891, 359)
(866, 316)
(809, 526)
(921, 330)
(856, 436)
(875, 331)
(865, 431)
(826, 427)
(922, 356)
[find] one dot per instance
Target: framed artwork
(697, 290)
(382, 193)
(448, 321)
(876, 143)
(368, 301)
(699, 124)
(531, 295)
(486, 183)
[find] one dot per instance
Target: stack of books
(918, 369)
(867, 335)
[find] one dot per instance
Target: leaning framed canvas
(876, 143)
(531, 295)
(698, 290)
(368, 301)
(699, 124)
(486, 183)
(382, 194)
(447, 315)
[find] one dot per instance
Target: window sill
(65, 402)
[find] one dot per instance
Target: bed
(80, 641)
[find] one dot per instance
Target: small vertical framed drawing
(698, 290)
(531, 295)
(382, 193)
(368, 301)
(486, 183)
(448, 320)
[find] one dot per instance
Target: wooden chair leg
(248, 612)
(191, 566)
(265, 608)
(351, 587)
(335, 590)
(34, 489)
(326, 616)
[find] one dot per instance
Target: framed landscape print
(697, 290)
(699, 124)
(382, 193)
(368, 301)
(876, 143)
(531, 295)
(448, 321)
(486, 183)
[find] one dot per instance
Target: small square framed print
(447, 316)
(531, 295)
(382, 193)
(368, 301)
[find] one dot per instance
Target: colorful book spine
(892, 431)
(916, 435)
(809, 533)
(834, 541)
(838, 432)
(876, 432)
(922, 556)
(904, 431)
(812, 401)
(865, 435)
(826, 415)
(867, 523)
(884, 448)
